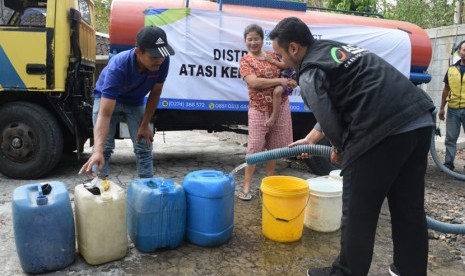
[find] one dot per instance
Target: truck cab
(47, 60)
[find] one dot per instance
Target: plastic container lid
(325, 186)
(336, 174)
(208, 184)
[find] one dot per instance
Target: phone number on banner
(215, 105)
(203, 105)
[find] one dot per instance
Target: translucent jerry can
(101, 222)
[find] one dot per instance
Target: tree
(458, 12)
(353, 5)
(315, 3)
(102, 15)
(426, 14)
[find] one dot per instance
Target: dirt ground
(444, 195)
(247, 252)
(445, 200)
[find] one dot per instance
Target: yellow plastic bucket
(284, 201)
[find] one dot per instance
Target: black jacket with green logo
(357, 97)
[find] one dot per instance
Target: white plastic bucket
(324, 210)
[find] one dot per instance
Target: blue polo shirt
(121, 81)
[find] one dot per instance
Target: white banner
(204, 72)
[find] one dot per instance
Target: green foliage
(424, 13)
(353, 5)
(102, 15)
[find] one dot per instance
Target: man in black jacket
(380, 127)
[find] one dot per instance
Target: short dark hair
(457, 49)
(291, 29)
(254, 28)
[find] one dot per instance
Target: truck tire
(321, 165)
(31, 141)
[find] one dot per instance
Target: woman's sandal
(244, 196)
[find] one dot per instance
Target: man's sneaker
(393, 270)
(323, 271)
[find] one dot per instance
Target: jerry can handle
(41, 198)
(210, 174)
(151, 183)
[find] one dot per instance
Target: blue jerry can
(44, 227)
(156, 213)
(210, 207)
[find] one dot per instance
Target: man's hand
(145, 133)
(303, 141)
(336, 158)
(95, 159)
(312, 138)
(441, 114)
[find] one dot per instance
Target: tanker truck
(204, 89)
(47, 70)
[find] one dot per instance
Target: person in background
(453, 95)
(285, 72)
(120, 92)
(261, 78)
(380, 127)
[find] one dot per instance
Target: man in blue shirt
(120, 92)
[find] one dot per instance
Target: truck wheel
(31, 141)
(321, 165)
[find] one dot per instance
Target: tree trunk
(458, 12)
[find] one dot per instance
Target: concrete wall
(443, 40)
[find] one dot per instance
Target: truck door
(23, 50)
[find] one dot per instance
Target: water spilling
(238, 168)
